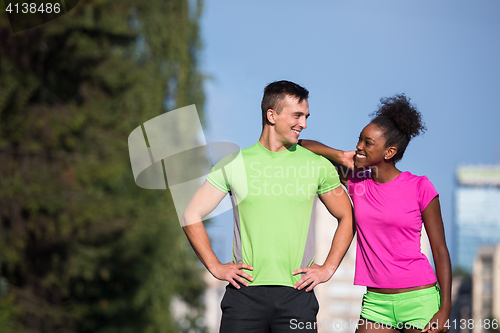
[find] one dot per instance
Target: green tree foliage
(82, 248)
(462, 272)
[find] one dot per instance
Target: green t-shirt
(273, 195)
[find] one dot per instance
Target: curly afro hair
(400, 121)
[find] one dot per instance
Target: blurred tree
(462, 272)
(82, 248)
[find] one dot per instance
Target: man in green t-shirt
(272, 186)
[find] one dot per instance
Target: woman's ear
(390, 152)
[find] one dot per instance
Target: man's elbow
(189, 218)
(347, 222)
(184, 222)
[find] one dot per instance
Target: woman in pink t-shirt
(390, 208)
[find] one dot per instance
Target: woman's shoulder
(420, 183)
(409, 177)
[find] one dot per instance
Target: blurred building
(486, 289)
(477, 212)
(461, 298)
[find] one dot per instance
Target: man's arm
(205, 200)
(339, 205)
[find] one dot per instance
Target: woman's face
(371, 149)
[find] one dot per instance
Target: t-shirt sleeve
(426, 192)
(218, 176)
(329, 178)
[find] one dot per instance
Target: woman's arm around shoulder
(344, 160)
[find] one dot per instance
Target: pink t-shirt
(389, 224)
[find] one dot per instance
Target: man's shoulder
(227, 159)
(230, 158)
(256, 152)
(251, 149)
(306, 153)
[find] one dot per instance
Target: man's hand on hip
(232, 273)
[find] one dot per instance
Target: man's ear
(270, 116)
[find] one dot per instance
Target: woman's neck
(384, 173)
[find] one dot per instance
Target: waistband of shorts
(403, 296)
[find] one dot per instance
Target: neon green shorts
(413, 309)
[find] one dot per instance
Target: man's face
(291, 120)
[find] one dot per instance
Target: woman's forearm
(443, 273)
(323, 150)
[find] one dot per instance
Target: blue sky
(443, 54)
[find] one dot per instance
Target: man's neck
(269, 140)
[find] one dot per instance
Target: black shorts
(268, 309)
